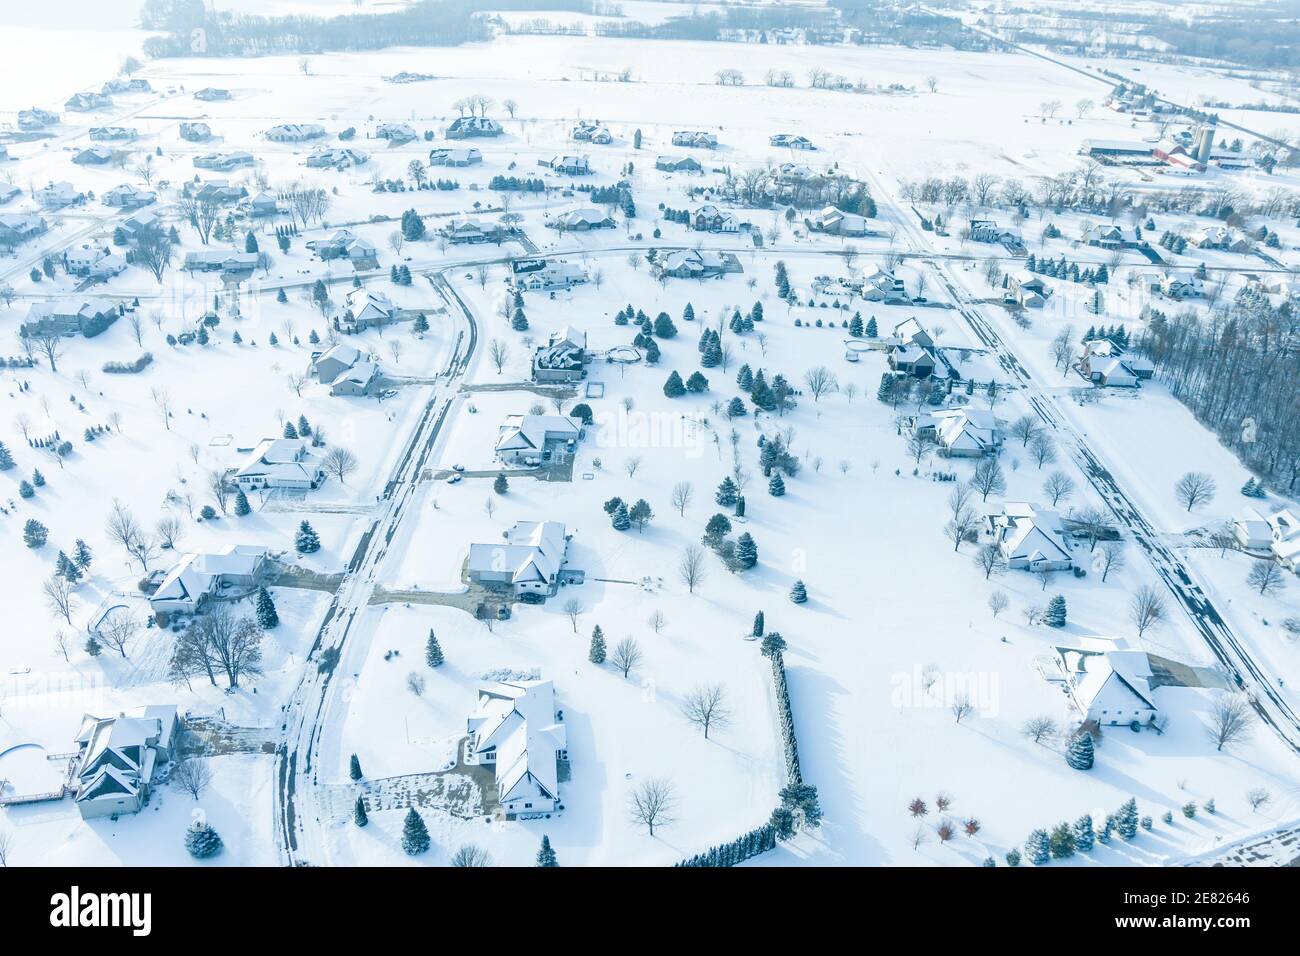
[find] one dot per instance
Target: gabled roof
(516, 719)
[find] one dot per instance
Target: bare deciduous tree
(1040, 728)
(1110, 558)
(683, 495)
(192, 775)
(1146, 609)
(1058, 486)
(340, 463)
(626, 656)
(706, 707)
(998, 602)
(471, 856)
(1194, 488)
(1266, 577)
(1231, 720)
(58, 596)
(820, 381)
(572, 609)
(691, 567)
(118, 631)
(652, 802)
(499, 354)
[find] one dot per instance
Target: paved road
(298, 817)
(1218, 635)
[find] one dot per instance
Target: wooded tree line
(1235, 370)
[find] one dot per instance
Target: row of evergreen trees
(1060, 269)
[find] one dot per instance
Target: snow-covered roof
(533, 552)
(517, 720)
(281, 459)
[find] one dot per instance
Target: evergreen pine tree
(1084, 838)
(1038, 847)
(1126, 820)
(242, 507)
(745, 377)
(359, 813)
(37, 478)
(25, 489)
(82, 556)
(799, 593)
(621, 520)
(307, 541)
(433, 651)
(1061, 844)
(697, 383)
(546, 855)
(872, 330)
(92, 646)
(673, 388)
(290, 431)
(1013, 858)
(1079, 754)
(736, 408)
(35, 534)
(597, 652)
(1055, 614)
(727, 492)
(500, 485)
(776, 486)
(758, 624)
(354, 768)
(415, 835)
(6, 459)
(202, 841)
(746, 551)
(267, 616)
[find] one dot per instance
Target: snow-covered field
(897, 626)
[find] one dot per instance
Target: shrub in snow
(202, 841)
(1080, 754)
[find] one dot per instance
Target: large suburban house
(1222, 238)
(231, 264)
(1109, 688)
(109, 134)
(517, 730)
(36, 118)
(1253, 531)
(591, 132)
(198, 578)
(914, 352)
(1105, 363)
(884, 286)
(710, 218)
(366, 310)
(539, 275)
(119, 758)
(563, 358)
(465, 127)
(262, 205)
(836, 222)
(961, 432)
(531, 561)
(58, 195)
(695, 138)
(451, 156)
(196, 132)
(582, 219)
(344, 245)
(224, 162)
(537, 439)
(1030, 538)
(87, 102)
(568, 165)
(217, 191)
(295, 132)
(1284, 528)
(18, 228)
(1027, 289)
(68, 317)
(8, 191)
(281, 463)
(90, 260)
(346, 370)
(339, 158)
(93, 156)
(127, 196)
(460, 231)
(790, 141)
(678, 164)
(212, 94)
(698, 264)
(396, 133)
(1111, 236)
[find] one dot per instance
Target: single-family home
(196, 579)
(883, 286)
(344, 245)
(365, 309)
(1110, 688)
(89, 259)
(127, 196)
(591, 132)
(211, 94)
(568, 165)
(281, 463)
(531, 560)
(1027, 288)
(36, 118)
(112, 134)
(710, 218)
(1111, 236)
(790, 141)
(836, 222)
(123, 84)
(359, 381)
(1180, 285)
(218, 191)
(563, 359)
(1029, 537)
(87, 102)
(961, 432)
(465, 127)
(581, 220)
(58, 195)
(326, 366)
(517, 730)
(678, 164)
(537, 439)
(695, 138)
(698, 264)
(93, 156)
(1252, 531)
(339, 158)
(143, 222)
(539, 275)
(87, 317)
(16, 229)
(228, 262)
(119, 758)
(1284, 527)
(224, 162)
(263, 205)
(195, 132)
(295, 132)
(396, 133)
(9, 191)
(450, 156)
